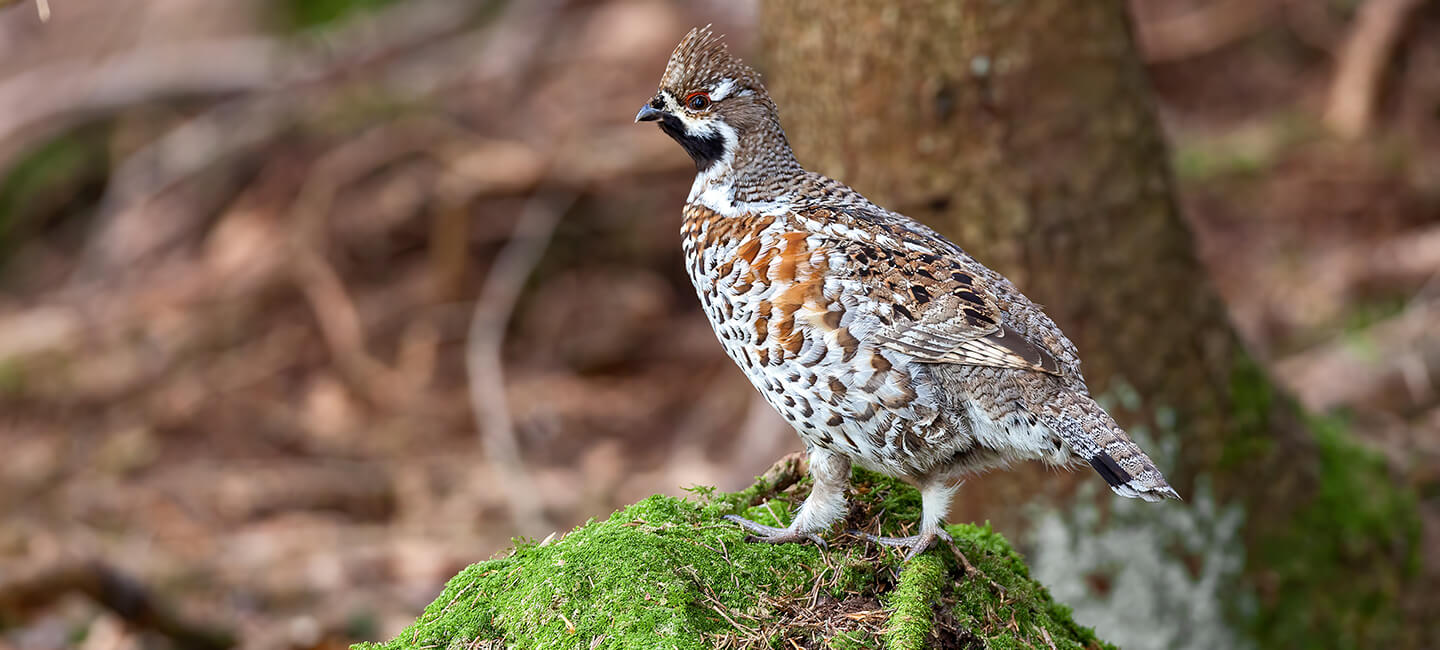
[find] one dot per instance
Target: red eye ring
(698, 101)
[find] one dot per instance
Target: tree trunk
(1025, 131)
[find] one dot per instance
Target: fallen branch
(1391, 366)
(1360, 68)
(483, 362)
(1314, 24)
(294, 83)
(71, 91)
(119, 593)
(318, 280)
(1203, 30)
(1401, 263)
(41, 101)
(417, 55)
(1410, 258)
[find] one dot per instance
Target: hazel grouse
(882, 343)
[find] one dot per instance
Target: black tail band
(1112, 472)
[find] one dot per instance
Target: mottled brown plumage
(881, 342)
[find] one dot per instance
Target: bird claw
(771, 535)
(916, 543)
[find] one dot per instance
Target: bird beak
(648, 113)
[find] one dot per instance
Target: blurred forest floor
(252, 256)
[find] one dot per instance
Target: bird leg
(935, 496)
(826, 503)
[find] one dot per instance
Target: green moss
(849, 641)
(670, 573)
(1252, 405)
(987, 601)
(306, 14)
(1243, 153)
(12, 378)
(913, 603)
(51, 180)
(1332, 558)
(856, 576)
(1197, 163)
(1334, 575)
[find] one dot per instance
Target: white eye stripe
(725, 88)
(722, 90)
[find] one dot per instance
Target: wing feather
(922, 296)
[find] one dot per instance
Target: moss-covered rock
(670, 573)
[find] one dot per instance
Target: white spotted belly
(855, 399)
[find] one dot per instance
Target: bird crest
(702, 61)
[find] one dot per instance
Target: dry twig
(320, 283)
(483, 362)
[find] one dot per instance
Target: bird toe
(772, 535)
(916, 543)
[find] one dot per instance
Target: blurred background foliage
(269, 268)
(302, 14)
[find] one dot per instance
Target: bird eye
(697, 101)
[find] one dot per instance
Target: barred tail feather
(1095, 437)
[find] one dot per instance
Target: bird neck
(756, 173)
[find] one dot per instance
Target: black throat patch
(704, 150)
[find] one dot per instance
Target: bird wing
(921, 294)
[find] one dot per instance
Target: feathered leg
(935, 494)
(830, 473)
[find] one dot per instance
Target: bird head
(709, 101)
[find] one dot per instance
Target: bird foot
(772, 535)
(916, 543)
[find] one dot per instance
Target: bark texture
(1025, 131)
